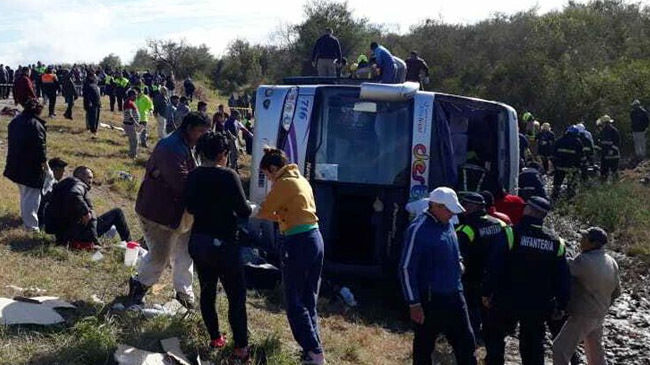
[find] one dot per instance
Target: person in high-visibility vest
(121, 86)
(145, 107)
(50, 85)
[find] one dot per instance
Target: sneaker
(186, 300)
(218, 342)
(311, 358)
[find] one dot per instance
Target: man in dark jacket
(69, 93)
(24, 88)
(525, 283)
(326, 54)
(26, 160)
(430, 273)
(567, 160)
(92, 104)
(640, 121)
(417, 69)
(70, 214)
(609, 142)
(189, 87)
(531, 183)
(478, 235)
(50, 85)
(161, 209)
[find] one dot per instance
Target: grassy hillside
(91, 333)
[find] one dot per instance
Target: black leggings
(221, 263)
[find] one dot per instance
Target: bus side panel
(513, 137)
(268, 111)
(299, 133)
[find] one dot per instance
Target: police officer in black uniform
(478, 234)
(609, 141)
(567, 160)
(531, 182)
(525, 283)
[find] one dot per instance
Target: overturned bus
(368, 151)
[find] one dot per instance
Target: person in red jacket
(23, 87)
(511, 205)
(492, 210)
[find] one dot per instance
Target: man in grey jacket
(595, 285)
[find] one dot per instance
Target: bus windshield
(362, 145)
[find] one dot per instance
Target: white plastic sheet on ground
(13, 312)
(127, 355)
(172, 346)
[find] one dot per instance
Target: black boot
(186, 300)
(137, 291)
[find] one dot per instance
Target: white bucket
(131, 253)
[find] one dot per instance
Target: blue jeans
(302, 263)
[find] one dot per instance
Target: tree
(142, 60)
(111, 62)
(179, 57)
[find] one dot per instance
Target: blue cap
(472, 198)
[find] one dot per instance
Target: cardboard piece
(104, 125)
(15, 312)
(127, 355)
(53, 302)
(172, 346)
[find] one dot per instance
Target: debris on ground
(13, 312)
(173, 355)
(127, 355)
(53, 302)
(97, 256)
(27, 291)
(104, 125)
(97, 300)
(172, 346)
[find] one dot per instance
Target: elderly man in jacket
(161, 209)
(70, 215)
(595, 286)
(27, 160)
(430, 273)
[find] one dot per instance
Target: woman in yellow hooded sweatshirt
(291, 203)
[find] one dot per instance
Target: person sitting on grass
(70, 215)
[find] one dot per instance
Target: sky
(57, 31)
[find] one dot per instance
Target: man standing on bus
(326, 54)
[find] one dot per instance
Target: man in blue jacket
(327, 54)
(385, 62)
(430, 273)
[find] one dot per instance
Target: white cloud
(87, 30)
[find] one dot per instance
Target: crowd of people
(473, 267)
(381, 65)
(578, 155)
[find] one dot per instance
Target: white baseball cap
(447, 197)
